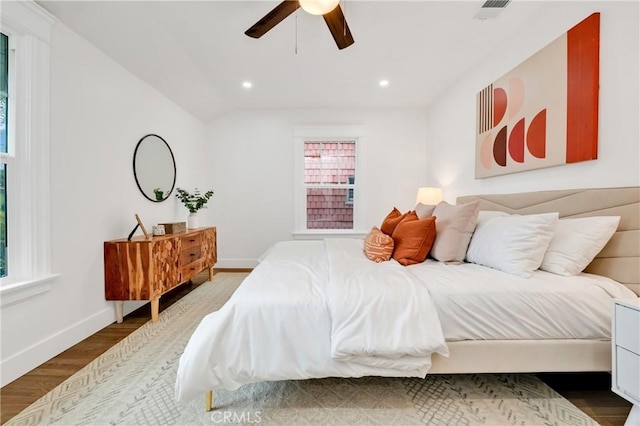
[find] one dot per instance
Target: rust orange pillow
(408, 216)
(378, 246)
(391, 221)
(413, 239)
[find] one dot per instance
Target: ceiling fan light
(318, 7)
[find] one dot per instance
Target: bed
(320, 308)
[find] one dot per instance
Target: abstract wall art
(544, 112)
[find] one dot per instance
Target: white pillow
(514, 244)
(576, 242)
(484, 215)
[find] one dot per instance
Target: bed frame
(619, 260)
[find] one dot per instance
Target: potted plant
(159, 193)
(193, 203)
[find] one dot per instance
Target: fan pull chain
(344, 20)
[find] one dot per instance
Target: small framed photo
(144, 230)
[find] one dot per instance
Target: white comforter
(479, 303)
(319, 309)
(380, 314)
(314, 310)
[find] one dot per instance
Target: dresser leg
(155, 309)
(211, 273)
(119, 311)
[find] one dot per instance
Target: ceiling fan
(329, 9)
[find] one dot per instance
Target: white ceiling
(196, 53)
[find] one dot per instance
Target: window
(4, 97)
(327, 168)
(350, 180)
(24, 151)
(326, 189)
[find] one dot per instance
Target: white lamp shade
(318, 7)
(430, 196)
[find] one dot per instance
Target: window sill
(15, 292)
(328, 233)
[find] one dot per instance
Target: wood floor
(589, 392)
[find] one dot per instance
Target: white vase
(192, 221)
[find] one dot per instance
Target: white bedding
(303, 313)
(380, 315)
(479, 303)
(278, 325)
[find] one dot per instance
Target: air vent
(496, 3)
(491, 9)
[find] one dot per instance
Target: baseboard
(26, 360)
(236, 263)
(234, 270)
(132, 305)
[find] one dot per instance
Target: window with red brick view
(329, 177)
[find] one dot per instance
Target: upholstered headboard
(620, 258)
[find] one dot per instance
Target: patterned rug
(132, 384)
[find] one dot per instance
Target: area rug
(132, 384)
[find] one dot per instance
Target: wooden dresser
(145, 269)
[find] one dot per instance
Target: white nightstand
(625, 347)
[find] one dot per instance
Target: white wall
(251, 169)
(451, 121)
(99, 111)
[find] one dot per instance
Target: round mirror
(154, 168)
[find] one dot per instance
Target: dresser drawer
(627, 332)
(190, 241)
(190, 255)
(192, 269)
(628, 373)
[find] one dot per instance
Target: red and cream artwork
(544, 112)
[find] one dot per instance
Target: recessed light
(247, 84)
(384, 83)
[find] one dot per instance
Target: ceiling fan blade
(272, 18)
(339, 29)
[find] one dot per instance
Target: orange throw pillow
(391, 221)
(413, 239)
(378, 246)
